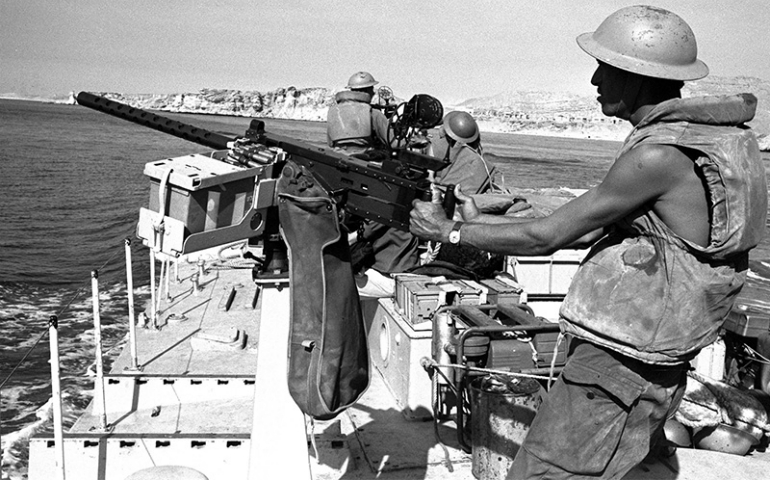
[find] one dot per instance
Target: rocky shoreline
(528, 112)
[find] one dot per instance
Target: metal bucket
(502, 410)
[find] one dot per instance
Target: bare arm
(641, 176)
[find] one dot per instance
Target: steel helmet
(461, 127)
(361, 80)
(648, 41)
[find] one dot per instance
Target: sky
(451, 49)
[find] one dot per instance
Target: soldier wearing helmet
(362, 81)
(670, 227)
(352, 125)
(459, 143)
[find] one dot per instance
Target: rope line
(74, 297)
(753, 353)
(489, 370)
(23, 359)
(436, 407)
(59, 314)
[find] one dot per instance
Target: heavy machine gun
(229, 194)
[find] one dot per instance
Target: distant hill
(290, 103)
(579, 116)
(530, 112)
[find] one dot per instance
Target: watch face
(454, 236)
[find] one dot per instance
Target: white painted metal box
(203, 192)
(199, 201)
(396, 348)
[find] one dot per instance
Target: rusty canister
(502, 409)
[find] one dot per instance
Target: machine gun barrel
(380, 189)
(156, 122)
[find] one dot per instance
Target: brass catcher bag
(328, 356)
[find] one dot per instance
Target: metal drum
(502, 409)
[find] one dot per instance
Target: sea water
(72, 184)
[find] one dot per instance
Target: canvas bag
(328, 356)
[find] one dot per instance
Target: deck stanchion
(153, 313)
(168, 280)
(201, 267)
(58, 429)
(278, 425)
(131, 315)
(195, 283)
(99, 396)
(160, 284)
(159, 293)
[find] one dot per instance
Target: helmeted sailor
(459, 143)
(352, 125)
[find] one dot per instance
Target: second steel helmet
(648, 41)
(461, 127)
(362, 80)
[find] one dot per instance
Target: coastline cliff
(524, 112)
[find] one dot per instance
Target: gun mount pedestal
(278, 441)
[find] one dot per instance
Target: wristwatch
(454, 235)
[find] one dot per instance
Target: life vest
(650, 294)
(349, 120)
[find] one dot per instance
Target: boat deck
(191, 401)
